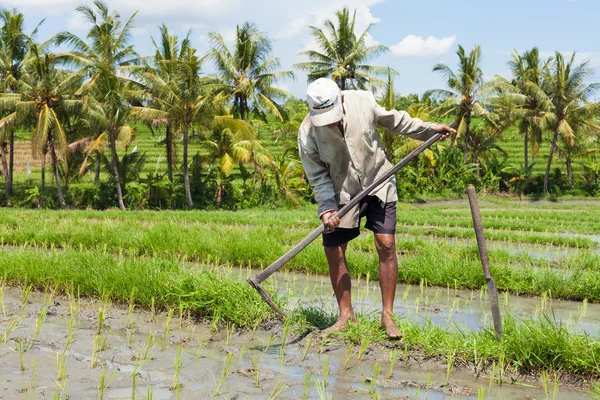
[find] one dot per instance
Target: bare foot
(391, 329)
(340, 325)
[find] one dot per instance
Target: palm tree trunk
(467, 137)
(54, 159)
(5, 173)
(552, 148)
(186, 177)
(570, 171)
(115, 167)
(97, 172)
(169, 144)
(11, 159)
(525, 143)
(43, 184)
(242, 109)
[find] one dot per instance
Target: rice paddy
(155, 305)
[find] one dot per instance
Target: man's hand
(444, 128)
(333, 224)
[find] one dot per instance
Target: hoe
(260, 277)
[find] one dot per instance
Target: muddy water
(259, 365)
(443, 306)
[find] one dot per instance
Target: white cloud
(188, 12)
(416, 46)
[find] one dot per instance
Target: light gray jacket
(339, 167)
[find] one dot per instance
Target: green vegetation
(180, 138)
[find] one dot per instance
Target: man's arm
(317, 173)
(400, 122)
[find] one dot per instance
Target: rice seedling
(100, 315)
(105, 381)
(364, 345)
(281, 360)
(582, 309)
(130, 323)
(137, 366)
(167, 329)
(224, 373)
(306, 385)
(21, 348)
(376, 372)
(269, 343)
(307, 347)
(321, 390)
(61, 366)
(176, 386)
(348, 355)
(481, 393)
(393, 356)
(325, 370)
(241, 357)
(279, 387)
(450, 365)
(39, 323)
(2, 289)
(201, 344)
(255, 367)
(229, 328)
(153, 309)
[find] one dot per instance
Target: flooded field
(61, 347)
(185, 266)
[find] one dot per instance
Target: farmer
(342, 154)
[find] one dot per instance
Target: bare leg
(388, 276)
(340, 281)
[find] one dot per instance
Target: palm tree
(106, 60)
(229, 143)
(13, 43)
(168, 48)
(249, 73)
(44, 98)
(466, 88)
(182, 99)
(571, 108)
(8, 102)
(342, 55)
(288, 178)
(528, 72)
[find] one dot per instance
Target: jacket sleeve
(400, 122)
(318, 175)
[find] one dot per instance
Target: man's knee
(386, 245)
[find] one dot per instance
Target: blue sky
(420, 33)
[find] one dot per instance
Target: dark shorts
(381, 218)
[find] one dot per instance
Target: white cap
(324, 102)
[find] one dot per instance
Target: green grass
(258, 237)
(529, 345)
(205, 292)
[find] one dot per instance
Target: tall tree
(465, 90)
(342, 55)
(13, 43)
(249, 73)
(572, 112)
(169, 47)
(182, 99)
(106, 61)
(528, 72)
